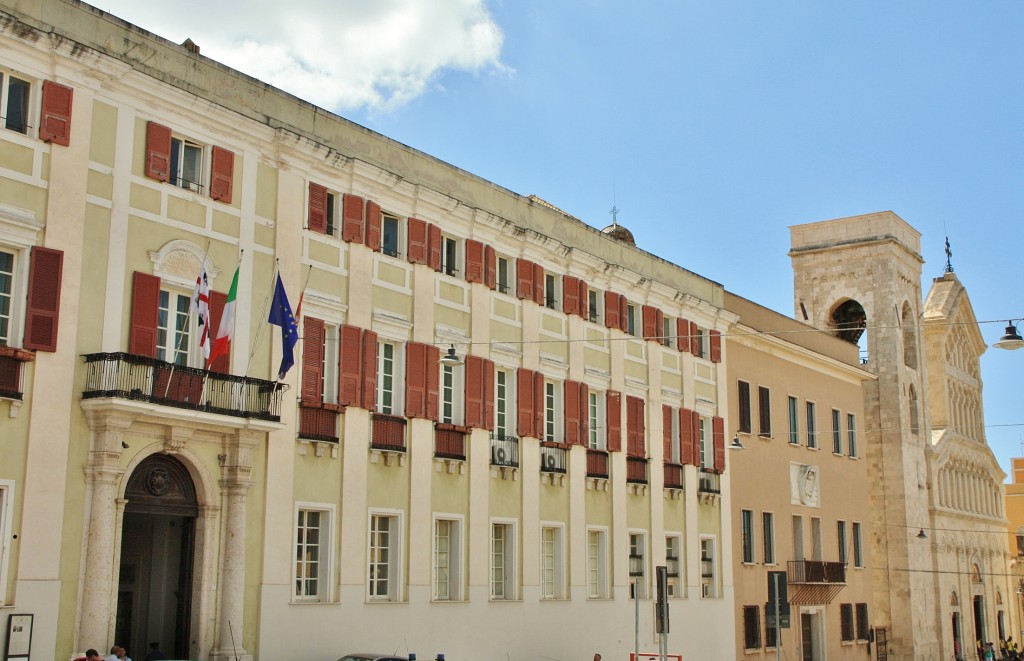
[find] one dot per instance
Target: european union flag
(281, 315)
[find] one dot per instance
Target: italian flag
(222, 341)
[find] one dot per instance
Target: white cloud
(339, 54)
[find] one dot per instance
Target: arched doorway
(154, 597)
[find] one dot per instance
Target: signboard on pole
(778, 592)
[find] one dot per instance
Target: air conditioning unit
(550, 462)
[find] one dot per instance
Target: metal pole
(636, 622)
(778, 615)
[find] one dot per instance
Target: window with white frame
(597, 564)
(447, 559)
(312, 553)
(841, 541)
(552, 411)
(186, 164)
(7, 296)
(451, 257)
(638, 564)
(388, 378)
(384, 557)
(837, 432)
(14, 97)
(552, 572)
(390, 235)
(329, 368)
(175, 341)
(503, 403)
(794, 421)
(551, 290)
(768, 537)
(703, 345)
(851, 435)
(631, 319)
(6, 521)
(674, 565)
(503, 555)
(812, 425)
(704, 437)
(594, 309)
(747, 532)
(708, 568)
(858, 551)
(596, 438)
(676, 454)
(451, 395)
(503, 274)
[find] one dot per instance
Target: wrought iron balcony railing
(504, 450)
(318, 422)
(552, 459)
(709, 482)
(816, 571)
(450, 441)
(126, 376)
(12, 371)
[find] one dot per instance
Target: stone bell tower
(860, 279)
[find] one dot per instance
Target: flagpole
(263, 314)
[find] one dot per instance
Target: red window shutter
(474, 396)
(584, 299)
(474, 261)
(43, 309)
(697, 443)
(316, 219)
(683, 335)
(490, 267)
(687, 436)
(623, 314)
(524, 391)
(636, 427)
(716, 346)
(538, 404)
(611, 310)
(369, 387)
(415, 380)
(666, 433)
(584, 414)
(432, 365)
(571, 403)
(350, 365)
(570, 295)
(312, 359)
(417, 253)
(488, 395)
(145, 315)
(55, 119)
(650, 315)
(373, 221)
(718, 440)
(694, 339)
(524, 278)
(434, 247)
(353, 218)
(221, 363)
(222, 174)
(538, 284)
(158, 152)
(614, 414)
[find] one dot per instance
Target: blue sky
(713, 125)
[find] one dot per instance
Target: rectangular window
(798, 537)
(451, 395)
(173, 336)
(846, 623)
(332, 209)
(812, 425)
(841, 541)
(384, 559)
(837, 432)
(768, 534)
(597, 564)
(552, 412)
(186, 164)
(503, 561)
(747, 525)
(390, 237)
(595, 413)
(863, 626)
(552, 578)
(743, 404)
(6, 297)
(501, 404)
(447, 560)
(14, 101)
(312, 554)
(594, 306)
(551, 291)
(631, 319)
(851, 435)
(704, 438)
(667, 336)
(450, 264)
(504, 274)
(701, 340)
(858, 556)
(816, 551)
(708, 568)
(751, 627)
(387, 356)
(764, 411)
(794, 422)
(673, 565)
(329, 367)
(638, 564)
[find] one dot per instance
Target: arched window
(915, 423)
(849, 321)
(909, 325)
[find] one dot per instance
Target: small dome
(619, 233)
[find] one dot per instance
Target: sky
(712, 125)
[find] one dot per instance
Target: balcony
(141, 379)
(504, 451)
(12, 371)
(636, 470)
(552, 458)
(388, 433)
(450, 441)
(710, 483)
(674, 476)
(815, 581)
(597, 464)
(318, 422)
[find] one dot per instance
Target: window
(858, 556)
(708, 568)
(771, 633)
(312, 554)
(794, 422)
(386, 372)
(503, 545)
(329, 368)
(747, 525)
(638, 564)
(503, 402)
(450, 257)
(701, 340)
(863, 626)
(14, 101)
(390, 235)
(504, 274)
(385, 531)
(837, 432)
(768, 535)
(447, 560)
(174, 342)
(673, 564)
(6, 521)
(751, 627)
(851, 435)
(552, 578)
(764, 411)
(798, 537)
(816, 551)
(704, 437)
(597, 564)
(552, 412)
(743, 404)
(186, 164)
(846, 623)
(812, 425)
(595, 413)
(451, 395)
(841, 541)
(631, 319)
(594, 307)
(551, 291)
(6, 297)
(667, 336)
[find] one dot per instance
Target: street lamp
(1011, 340)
